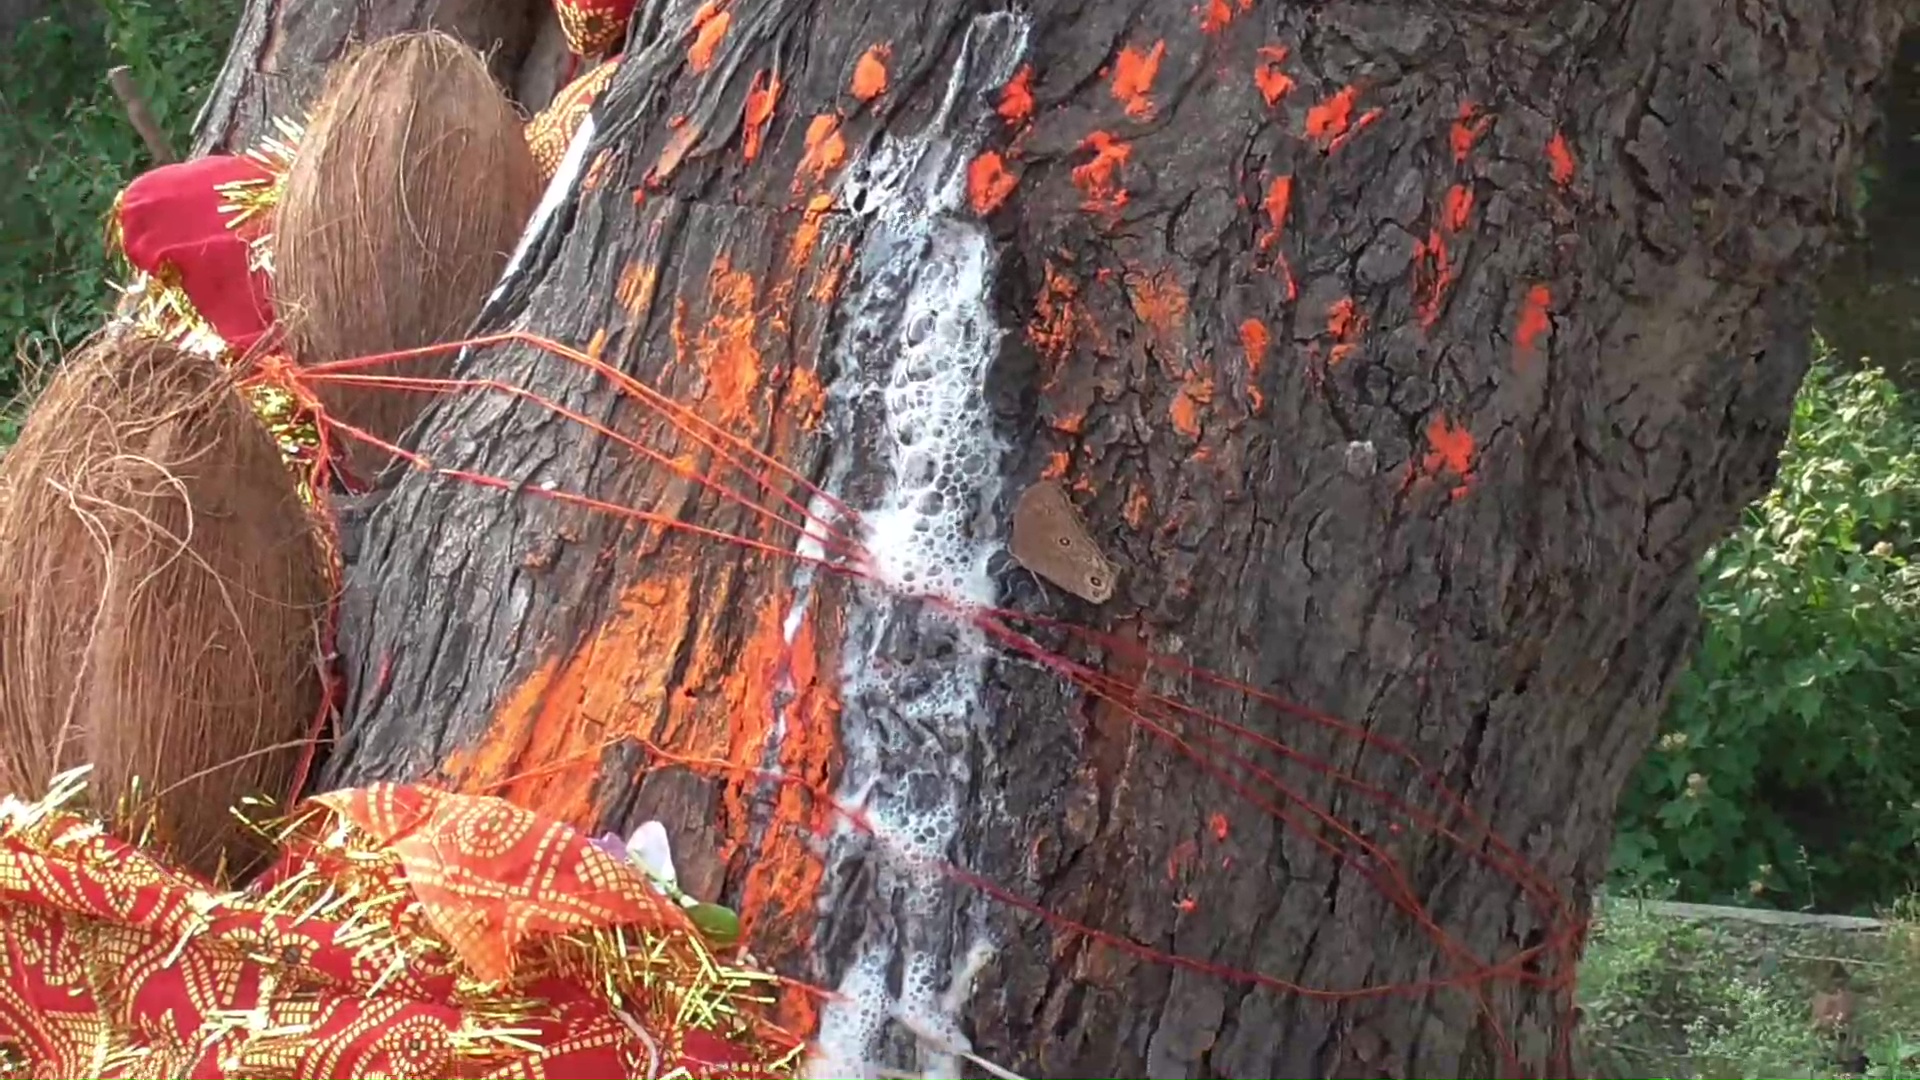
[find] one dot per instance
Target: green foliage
(1788, 771)
(70, 149)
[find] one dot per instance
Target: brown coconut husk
(409, 190)
(161, 589)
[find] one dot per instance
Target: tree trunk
(1430, 439)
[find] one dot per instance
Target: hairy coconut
(161, 589)
(408, 192)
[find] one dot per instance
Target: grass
(1680, 999)
(70, 149)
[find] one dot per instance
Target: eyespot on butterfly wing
(1051, 539)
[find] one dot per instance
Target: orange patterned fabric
(368, 951)
(551, 131)
(593, 26)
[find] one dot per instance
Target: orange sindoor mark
(636, 288)
(1195, 390)
(1366, 120)
(1468, 126)
(542, 748)
(1254, 340)
(1215, 16)
(1136, 507)
(1274, 83)
(1016, 98)
(1560, 159)
(1054, 328)
(870, 72)
(1277, 204)
(762, 96)
(807, 236)
(1056, 467)
(1449, 450)
(826, 149)
(725, 350)
(709, 29)
(988, 182)
(1534, 322)
(1345, 324)
(1133, 73)
(1331, 118)
(1459, 207)
(1159, 301)
(1099, 179)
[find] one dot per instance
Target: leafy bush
(70, 149)
(1788, 771)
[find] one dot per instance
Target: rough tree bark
(1455, 499)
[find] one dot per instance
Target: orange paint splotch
(1215, 15)
(1056, 467)
(1366, 120)
(1069, 423)
(807, 236)
(1054, 323)
(1195, 391)
(1278, 201)
(636, 288)
(1458, 207)
(1343, 318)
(806, 397)
(1136, 506)
(1468, 126)
(1133, 74)
(1218, 822)
(1016, 98)
(1560, 159)
(726, 351)
(762, 96)
(1449, 450)
(1534, 322)
(826, 148)
(1331, 118)
(1099, 179)
(710, 25)
(1158, 301)
(543, 745)
(988, 182)
(870, 72)
(1273, 82)
(1254, 340)
(826, 288)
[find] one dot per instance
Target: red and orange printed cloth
(405, 932)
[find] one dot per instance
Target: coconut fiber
(161, 586)
(408, 192)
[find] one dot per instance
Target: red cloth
(103, 946)
(171, 227)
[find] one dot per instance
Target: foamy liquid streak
(912, 361)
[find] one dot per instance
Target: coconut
(409, 190)
(161, 590)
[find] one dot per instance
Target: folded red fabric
(172, 226)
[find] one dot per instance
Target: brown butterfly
(1050, 539)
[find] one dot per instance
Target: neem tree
(1404, 358)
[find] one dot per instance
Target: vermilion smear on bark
(870, 73)
(636, 288)
(1216, 17)
(709, 29)
(1533, 323)
(1016, 98)
(1459, 206)
(826, 148)
(1345, 324)
(1135, 511)
(1278, 201)
(1434, 274)
(1133, 74)
(1273, 82)
(1560, 159)
(1195, 391)
(725, 350)
(1254, 339)
(761, 98)
(1099, 179)
(1359, 125)
(1449, 450)
(1056, 467)
(1329, 120)
(1467, 130)
(988, 182)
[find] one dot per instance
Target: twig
(142, 117)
